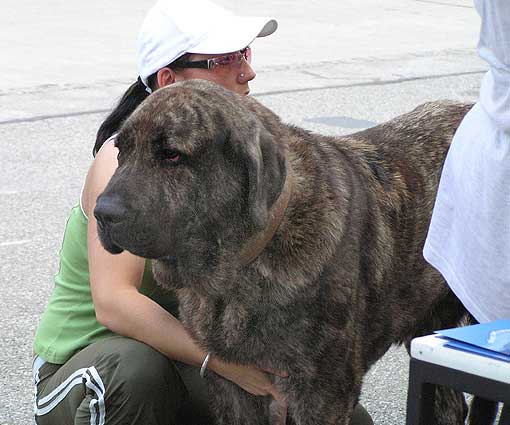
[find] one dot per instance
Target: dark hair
(129, 101)
(133, 96)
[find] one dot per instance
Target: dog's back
(370, 195)
(394, 173)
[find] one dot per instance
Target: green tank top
(69, 321)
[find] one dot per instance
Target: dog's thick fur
(342, 279)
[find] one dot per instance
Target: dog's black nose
(109, 210)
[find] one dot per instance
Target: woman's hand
(255, 381)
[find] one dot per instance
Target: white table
(433, 363)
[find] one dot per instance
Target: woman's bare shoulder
(100, 172)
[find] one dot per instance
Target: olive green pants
(122, 381)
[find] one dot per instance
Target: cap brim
(234, 33)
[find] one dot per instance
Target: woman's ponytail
(133, 96)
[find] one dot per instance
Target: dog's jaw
(106, 240)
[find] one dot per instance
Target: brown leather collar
(256, 244)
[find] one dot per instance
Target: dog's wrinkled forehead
(188, 113)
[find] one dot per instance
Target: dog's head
(199, 168)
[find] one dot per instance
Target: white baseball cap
(175, 27)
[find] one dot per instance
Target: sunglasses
(231, 59)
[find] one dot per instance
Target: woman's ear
(165, 77)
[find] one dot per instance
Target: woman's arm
(115, 280)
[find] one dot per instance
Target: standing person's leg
(113, 381)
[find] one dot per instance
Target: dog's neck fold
(256, 243)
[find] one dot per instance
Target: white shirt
(469, 235)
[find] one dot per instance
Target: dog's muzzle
(109, 213)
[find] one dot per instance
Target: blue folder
(487, 339)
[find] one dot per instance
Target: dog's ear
(263, 159)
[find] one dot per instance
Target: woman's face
(234, 76)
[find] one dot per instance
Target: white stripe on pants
(88, 376)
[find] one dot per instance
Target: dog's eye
(170, 156)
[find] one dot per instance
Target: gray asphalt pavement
(332, 67)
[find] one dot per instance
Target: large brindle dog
(288, 250)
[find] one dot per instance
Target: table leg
(420, 395)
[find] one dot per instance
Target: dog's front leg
(326, 404)
(231, 405)
(338, 413)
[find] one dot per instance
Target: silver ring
(241, 75)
